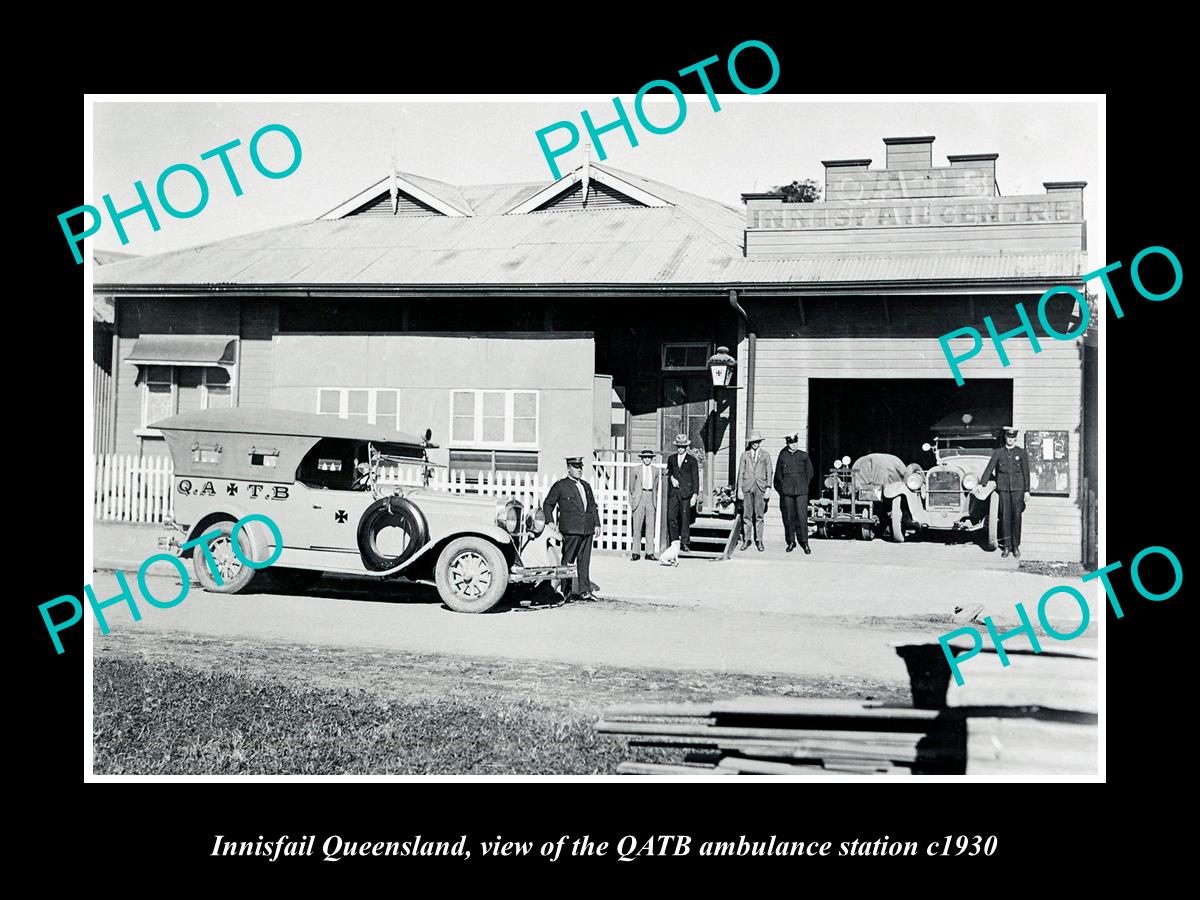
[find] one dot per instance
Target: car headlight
(536, 522)
(970, 480)
(830, 481)
(914, 481)
(508, 516)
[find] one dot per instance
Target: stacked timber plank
(787, 735)
(1036, 716)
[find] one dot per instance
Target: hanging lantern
(721, 364)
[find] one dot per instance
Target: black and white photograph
(684, 436)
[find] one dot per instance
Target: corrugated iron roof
(693, 241)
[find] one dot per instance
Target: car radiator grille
(945, 490)
(944, 481)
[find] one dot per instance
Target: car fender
(983, 491)
(433, 547)
(895, 489)
(262, 541)
(916, 506)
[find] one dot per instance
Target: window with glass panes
(494, 419)
(158, 394)
(373, 406)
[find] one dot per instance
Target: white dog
(670, 556)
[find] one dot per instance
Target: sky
(751, 144)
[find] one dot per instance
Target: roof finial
(393, 190)
(586, 175)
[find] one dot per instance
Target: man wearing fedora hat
(684, 476)
(643, 498)
(1010, 467)
(753, 487)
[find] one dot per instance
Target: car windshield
(335, 464)
(966, 446)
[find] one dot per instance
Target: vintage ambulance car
(950, 496)
(318, 478)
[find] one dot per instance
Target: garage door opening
(855, 416)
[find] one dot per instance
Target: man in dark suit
(1010, 468)
(793, 473)
(578, 523)
(684, 473)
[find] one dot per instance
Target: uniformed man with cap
(578, 523)
(793, 472)
(753, 488)
(1009, 467)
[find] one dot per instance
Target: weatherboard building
(523, 323)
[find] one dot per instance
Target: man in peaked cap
(578, 522)
(684, 474)
(793, 473)
(1010, 468)
(643, 498)
(753, 488)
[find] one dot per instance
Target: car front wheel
(992, 538)
(471, 575)
(898, 520)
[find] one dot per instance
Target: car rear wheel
(471, 575)
(235, 575)
(992, 538)
(868, 532)
(898, 520)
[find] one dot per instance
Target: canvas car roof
(249, 420)
(984, 420)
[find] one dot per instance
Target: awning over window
(182, 350)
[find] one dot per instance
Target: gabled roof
(583, 176)
(681, 240)
(437, 195)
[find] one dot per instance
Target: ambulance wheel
(471, 575)
(898, 520)
(868, 532)
(293, 581)
(992, 538)
(235, 575)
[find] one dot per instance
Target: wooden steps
(712, 537)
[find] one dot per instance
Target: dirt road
(355, 614)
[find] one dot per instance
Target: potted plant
(724, 499)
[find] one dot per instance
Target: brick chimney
(910, 152)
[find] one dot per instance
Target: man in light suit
(643, 498)
(684, 474)
(753, 489)
(578, 522)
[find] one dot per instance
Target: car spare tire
(386, 513)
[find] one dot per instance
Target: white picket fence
(133, 489)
